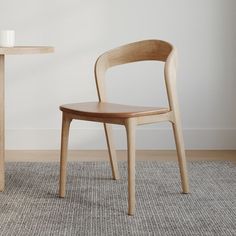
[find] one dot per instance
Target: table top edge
(26, 50)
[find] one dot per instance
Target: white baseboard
(94, 139)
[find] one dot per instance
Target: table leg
(2, 131)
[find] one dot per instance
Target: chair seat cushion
(110, 110)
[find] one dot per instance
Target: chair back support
(138, 51)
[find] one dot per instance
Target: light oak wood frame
(138, 51)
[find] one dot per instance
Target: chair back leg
(111, 151)
(179, 141)
(64, 148)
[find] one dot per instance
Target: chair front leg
(130, 126)
(64, 148)
(111, 151)
(179, 141)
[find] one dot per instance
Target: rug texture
(97, 205)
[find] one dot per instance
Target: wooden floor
(102, 155)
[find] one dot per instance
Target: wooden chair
(129, 116)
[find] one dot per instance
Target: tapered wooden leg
(111, 151)
(130, 129)
(64, 148)
(2, 128)
(179, 141)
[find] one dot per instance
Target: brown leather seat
(110, 110)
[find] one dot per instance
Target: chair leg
(130, 129)
(179, 141)
(111, 151)
(64, 147)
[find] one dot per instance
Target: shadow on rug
(97, 205)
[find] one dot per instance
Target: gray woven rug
(97, 205)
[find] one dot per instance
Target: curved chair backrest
(138, 51)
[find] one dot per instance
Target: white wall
(203, 31)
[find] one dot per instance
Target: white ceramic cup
(7, 38)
